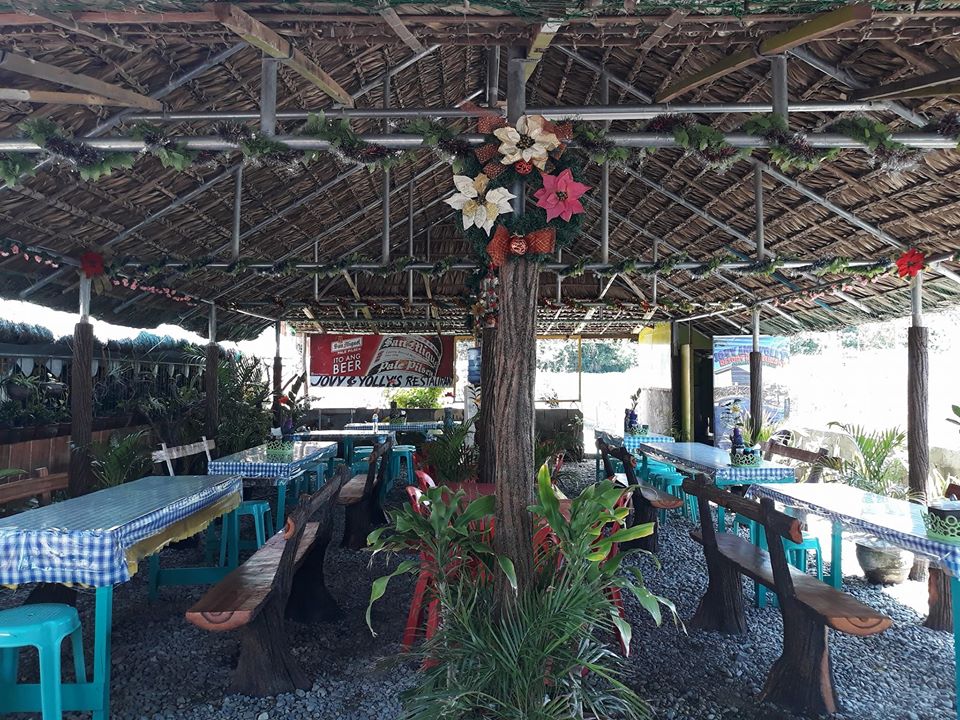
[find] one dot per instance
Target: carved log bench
(41, 486)
(283, 578)
(361, 496)
(646, 501)
(802, 678)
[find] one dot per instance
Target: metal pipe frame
(237, 204)
(572, 112)
(493, 77)
(778, 72)
(385, 187)
(923, 141)
(268, 96)
(605, 183)
(412, 60)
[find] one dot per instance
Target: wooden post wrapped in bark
(940, 595)
(515, 369)
(212, 388)
(918, 443)
(486, 428)
(756, 390)
(277, 390)
(81, 409)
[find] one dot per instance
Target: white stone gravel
(166, 669)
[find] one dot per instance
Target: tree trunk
(277, 385)
(940, 594)
(266, 665)
(802, 678)
(721, 608)
(515, 368)
(81, 410)
(918, 444)
(212, 390)
(486, 428)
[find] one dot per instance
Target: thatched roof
(56, 210)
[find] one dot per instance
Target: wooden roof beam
(22, 65)
(68, 23)
(538, 46)
(58, 98)
(936, 83)
(819, 26)
(272, 44)
(402, 31)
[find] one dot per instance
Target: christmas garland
(90, 162)
(11, 248)
(787, 150)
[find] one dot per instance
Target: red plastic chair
(424, 481)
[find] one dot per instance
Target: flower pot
(883, 564)
(54, 389)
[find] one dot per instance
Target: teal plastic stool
(260, 511)
(796, 552)
(402, 453)
(44, 627)
(334, 464)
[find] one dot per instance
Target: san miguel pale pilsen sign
(381, 361)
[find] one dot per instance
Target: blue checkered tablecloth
(897, 522)
(632, 442)
(84, 540)
(255, 462)
(421, 427)
(715, 463)
(308, 435)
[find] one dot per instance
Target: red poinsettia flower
(523, 167)
(284, 400)
(911, 263)
(560, 195)
(91, 264)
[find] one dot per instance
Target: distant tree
(598, 357)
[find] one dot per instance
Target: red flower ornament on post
(91, 264)
(911, 263)
(560, 196)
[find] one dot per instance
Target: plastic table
(897, 522)
(97, 541)
(256, 467)
(714, 462)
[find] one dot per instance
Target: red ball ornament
(523, 167)
(518, 245)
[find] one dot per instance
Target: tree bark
(940, 616)
(802, 678)
(212, 390)
(721, 608)
(756, 390)
(515, 368)
(918, 443)
(486, 428)
(81, 410)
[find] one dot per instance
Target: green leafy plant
(875, 468)
(423, 397)
(11, 472)
(956, 411)
(120, 459)
(526, 660)
(759, 433)
(451, 458)
(245, 419)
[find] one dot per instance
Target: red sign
(381, 360)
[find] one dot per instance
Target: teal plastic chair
(262, 516)
(358, 462)
(43, 626)
(797, 553)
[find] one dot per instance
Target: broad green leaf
(506, 564)
(633, 533)
(379, 587)
(649, 602)
(626, 631)
(479, 508)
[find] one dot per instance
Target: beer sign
(387, 361)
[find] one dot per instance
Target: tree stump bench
(283, 578)
(361, 497)
(646, 501)
(802, 678)
(42, 487)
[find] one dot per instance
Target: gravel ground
(165, 668)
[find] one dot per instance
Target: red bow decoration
(504, 244)
(91, 264)
(911, 263)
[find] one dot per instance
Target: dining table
(714, 463)
(897, 522)
(97, 541)
(347, 437)
(269, 466)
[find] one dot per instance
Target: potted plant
(9, 414)
(876, 469)
(20, 387)
(53, 389)
(452, 460)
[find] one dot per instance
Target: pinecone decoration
(949, 125)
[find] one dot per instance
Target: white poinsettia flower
(479, 207)
(528, 141)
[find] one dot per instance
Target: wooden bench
(647, 500)
(283, 578)
(802, 678)
(361, 496)
(41, 486)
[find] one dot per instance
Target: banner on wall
(731, 382)
(387, 361)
